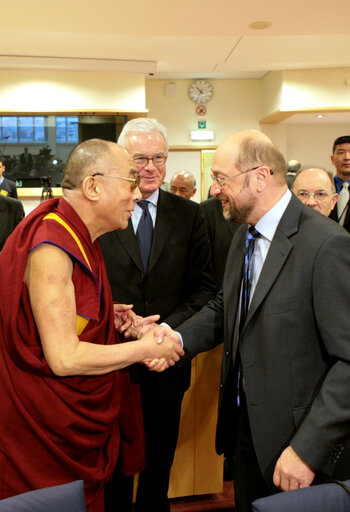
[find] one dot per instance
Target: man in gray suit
(284, 396)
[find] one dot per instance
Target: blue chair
(330, 497)
(60, 498)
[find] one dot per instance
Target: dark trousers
(161, 419)
(248, 481)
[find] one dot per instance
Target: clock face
(201, 92)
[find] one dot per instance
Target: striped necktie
(251, 235)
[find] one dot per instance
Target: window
(15, 129)
(67, 129)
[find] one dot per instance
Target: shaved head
(84, 157)
(183, 184)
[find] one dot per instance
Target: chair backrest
(60, 498)
(330, 497)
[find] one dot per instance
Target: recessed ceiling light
(320, 116)
(260, 25)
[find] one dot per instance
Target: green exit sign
(202, 125)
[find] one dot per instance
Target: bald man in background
(183, 184)
(315, 188)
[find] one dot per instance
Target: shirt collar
(267, 225)
(339, 182)
(153, 199)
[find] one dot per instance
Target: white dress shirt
(152, 208)
(266, 226)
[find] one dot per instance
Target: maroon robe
(57, 429)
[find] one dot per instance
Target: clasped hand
(130, 324)
(169, 348)
(164, 344)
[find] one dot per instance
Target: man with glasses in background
(315, 188)
(162, 265)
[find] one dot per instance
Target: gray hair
(142, 125)
(253, 152)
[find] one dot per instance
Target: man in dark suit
(220, 231)
(11, 213)
(7, 187)
(284, 396)
(176, 282)
(26, 161)
(341, 160)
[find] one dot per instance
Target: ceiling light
(260, 25)
(320, 116)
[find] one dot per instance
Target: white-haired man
(174, 279)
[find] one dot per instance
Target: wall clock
(201, 92)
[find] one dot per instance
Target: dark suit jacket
(8, 188)
(11, 213)
(334, 215)
(220, 235)
(295, 346)
(179, 280)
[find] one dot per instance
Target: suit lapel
(128, 239)
(232, 281)
(164, 225)
(277, 254)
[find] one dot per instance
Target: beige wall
(238, 105)
(311, 144)
(235, 105)
(52, 91)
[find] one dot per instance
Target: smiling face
(118, 195)
(341, 160)
(2, 169)
(148, 145)
(236, 195)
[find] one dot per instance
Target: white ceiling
(183, 38)
(176, 38)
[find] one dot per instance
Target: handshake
(161, 346)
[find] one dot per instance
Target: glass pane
(61, 129)
(9, 129)
(39, 125)
(72, 129)
(26, 129)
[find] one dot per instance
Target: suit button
(227, 354)
(147, 303)
(221, 386)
